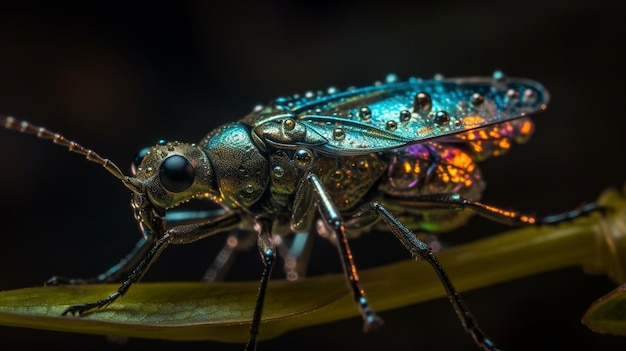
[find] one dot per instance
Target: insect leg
(237, 240)
(296, 253)
(334, 220)
(456, 201)
(126, 263)
(267, 249)
(422, 250)
(178, 235)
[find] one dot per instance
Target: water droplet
(391, 78)
(309, 95)
(249, 189)
(477, 99)
(278, 172)
(512, 95)
(405, 115)
(363, 166)
(499, 76)
(422, 102)
(303, 158)
(339, 134)
(529, 96)
(332, 90)
(365, 113)
(257, 108)
(289, 124)
(392, 125)
(336, 175)
(442, 118)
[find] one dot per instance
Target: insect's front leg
(422, 250)
(181, 234)
(267, 250)
(508, 217)
(124, 265)
(312, 190)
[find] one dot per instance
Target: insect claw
(76, 310)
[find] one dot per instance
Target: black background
(116, 77)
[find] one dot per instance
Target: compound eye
(176, 174)
(139, 156)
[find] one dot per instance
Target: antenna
(24, 127)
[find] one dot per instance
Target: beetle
(399, 156)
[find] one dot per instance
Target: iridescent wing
(396, 114)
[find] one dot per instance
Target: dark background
(116, 77)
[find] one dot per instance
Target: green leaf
(607, 315)
(222, 311)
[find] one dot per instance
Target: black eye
(176, 174)
(138, 158)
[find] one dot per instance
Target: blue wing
(392, 115)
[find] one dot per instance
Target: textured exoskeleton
(401, 156)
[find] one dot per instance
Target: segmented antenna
(41, 132)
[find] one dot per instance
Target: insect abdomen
(425, 169)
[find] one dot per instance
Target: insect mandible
(401, 156)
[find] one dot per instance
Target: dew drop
(477, 99)
(442, 118)
(512, 95)
(336, 175)
(529, 96)
(499, 76)
(363, 166)
(278, 172)
(422, 102)
(405, 115)
(339, 134)
(303, 158)
(391, 78)
(365, 113)
(289, 124)
(392, 125)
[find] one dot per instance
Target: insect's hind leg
(508, 217)
(237, 240)
(422, 250)
(124, 265)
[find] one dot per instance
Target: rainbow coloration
(401, 157)
(413, 138)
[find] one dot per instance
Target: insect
(398, 156)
